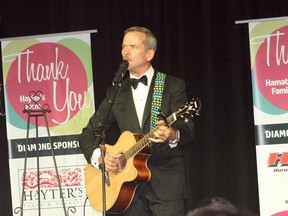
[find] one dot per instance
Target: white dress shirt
(140, 94)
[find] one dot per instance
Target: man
(165, 192)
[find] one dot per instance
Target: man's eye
(132, 47)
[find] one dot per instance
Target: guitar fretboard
(144, 141)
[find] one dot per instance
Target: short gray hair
(150, 42)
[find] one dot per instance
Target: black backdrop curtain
(199, 42)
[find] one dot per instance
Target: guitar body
(132, 170)
(123, 184)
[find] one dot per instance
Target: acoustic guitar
(120, 186)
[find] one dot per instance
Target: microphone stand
(102, 167)
(105, 175)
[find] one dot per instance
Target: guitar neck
(144, 141)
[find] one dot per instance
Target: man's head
(216, 206)
(138, 48)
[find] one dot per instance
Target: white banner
(269, 68)
(51, 73)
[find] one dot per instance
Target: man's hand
(110, 161)
(163, 133)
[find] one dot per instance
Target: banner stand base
(36, 110)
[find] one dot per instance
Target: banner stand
(268, 43)
(36, 110)
(260, 20)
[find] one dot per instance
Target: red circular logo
(55, 71)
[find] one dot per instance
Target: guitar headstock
(190, 109)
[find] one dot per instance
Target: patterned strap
(157, 98)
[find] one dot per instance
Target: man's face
(133, 50)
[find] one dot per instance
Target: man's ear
(150, 54)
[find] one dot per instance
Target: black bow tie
(134, 82)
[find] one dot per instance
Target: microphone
(120, 72)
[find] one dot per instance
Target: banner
(269, 69)
(54, 73)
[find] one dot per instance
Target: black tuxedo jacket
(165, 163)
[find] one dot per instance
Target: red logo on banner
(271, 66)
(283, 213)
(48, 178)
(276, 159)
(54, 70)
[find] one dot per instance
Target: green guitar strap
(157, 98)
